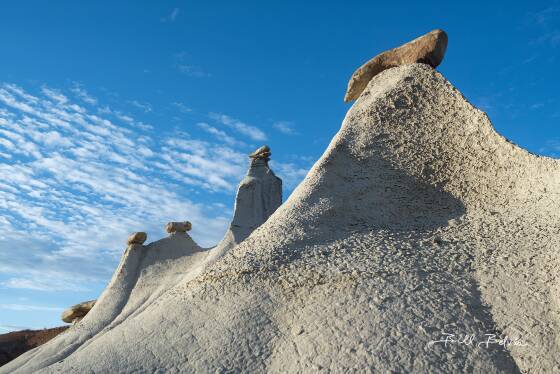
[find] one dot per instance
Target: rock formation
(428, 49)
(418, 220)
(261, 153)
(258, 196)
(137, 238)
(15, 343)
(146, 273)
(75, 313)
(173, 227)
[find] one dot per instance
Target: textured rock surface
(137, 238)
(77, 312)
(172, 227)
(428, 49)
(418, 219)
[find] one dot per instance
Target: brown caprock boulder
(77, 312)
(428, 49)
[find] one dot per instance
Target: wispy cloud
(82, 94)
(192, 71)
(185, 66)
(182, 107)
(75, 183)
(285, 127)
(26, 308)
(146, 107)
(291, 173)
(221, 135)
(242, 128)
(172, 16)
(551, 148)
(9, 328)
(547, 22)
(545, 16)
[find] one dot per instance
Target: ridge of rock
(418, 220)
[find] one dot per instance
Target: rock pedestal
(258, 196)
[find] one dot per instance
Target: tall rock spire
(258, 196)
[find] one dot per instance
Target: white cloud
(184, 65)
(27, 307)
(220, 135)
(82, 94)
(285, 127)
(192, 71)
(8, 328)
(55, 95)
(242, 128)
(182, 107)
(544, 16)
(172, 16)
(146, 107)
(291, 173)
(75, 182)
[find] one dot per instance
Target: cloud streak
(74, 184)
(241, 128)
(76, 180)
(285, 127)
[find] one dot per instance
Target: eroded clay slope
(146, 272)
(417, 220)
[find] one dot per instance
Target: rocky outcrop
(258, 196)
(14, 344)
(146, 272)
(75, 313)
(418, 221)
(261, 153)
(428, 49)
(137, 238)
(173, 227)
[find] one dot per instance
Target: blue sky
(120, 116)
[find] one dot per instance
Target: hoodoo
(418, 221)
(258, 196)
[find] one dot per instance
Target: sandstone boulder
(77, 312)
(137, 238)
(172, 227)
(428, 49)
(262, 153)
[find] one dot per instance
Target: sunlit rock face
(258, 196)
(418, 220)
